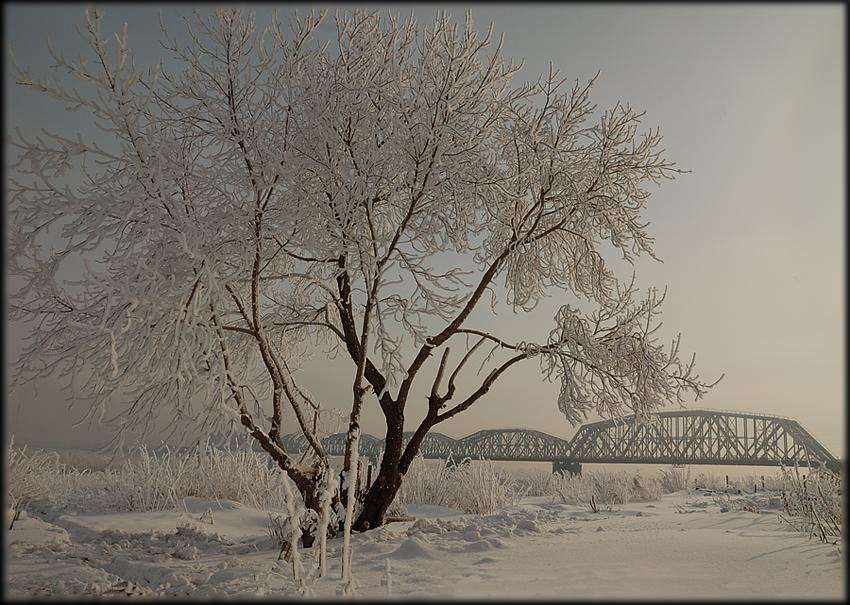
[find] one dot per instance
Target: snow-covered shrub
(813, 504)
(426, 483)
(480, 488)
(710, 481)
(644, 490)
(728, 503)
(397, 510)
(37, 476)
(571, 489)
(604, 488)
(473, 487)
(151, 481)
(540, 483)
(774, 482)
(146, 481)
(674, 479)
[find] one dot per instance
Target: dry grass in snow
(813, 504)
(605, 488)
(145, 481)
(474, 487)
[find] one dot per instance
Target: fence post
(727, 481)
(762, 481)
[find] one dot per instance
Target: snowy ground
(682, 546)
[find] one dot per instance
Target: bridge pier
(566, 466)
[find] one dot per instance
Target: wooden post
(755, 488)
(727, 481)
(762, 481)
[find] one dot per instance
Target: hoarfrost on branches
(274, 193)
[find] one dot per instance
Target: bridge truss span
(670, 437)
(700, 437)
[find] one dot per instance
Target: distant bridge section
(673, 437)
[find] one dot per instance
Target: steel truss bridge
(676, 437)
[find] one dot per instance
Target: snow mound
(478, 546)
(31, 531)
(412, 548)
(528, 525)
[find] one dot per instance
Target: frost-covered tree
(189, 298)
(369, 191)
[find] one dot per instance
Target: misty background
(750, 99)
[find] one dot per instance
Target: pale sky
(749, 98)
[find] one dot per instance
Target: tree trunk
(382, 491)
(309, 488)
(378, 499)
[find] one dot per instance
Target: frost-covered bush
(605, 488)
(710, 481)
(22, 479)
(674, 479)
(473, 487)
(159, 481)
(813, 504)
(773, 482)
(571, 489)
(644, 490)
(541, 483)
(146, 481)
(728, 503)
(36, 475)
(426, 483)
(481, 488)
(397, 510)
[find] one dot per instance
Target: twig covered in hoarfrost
(813, 503)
